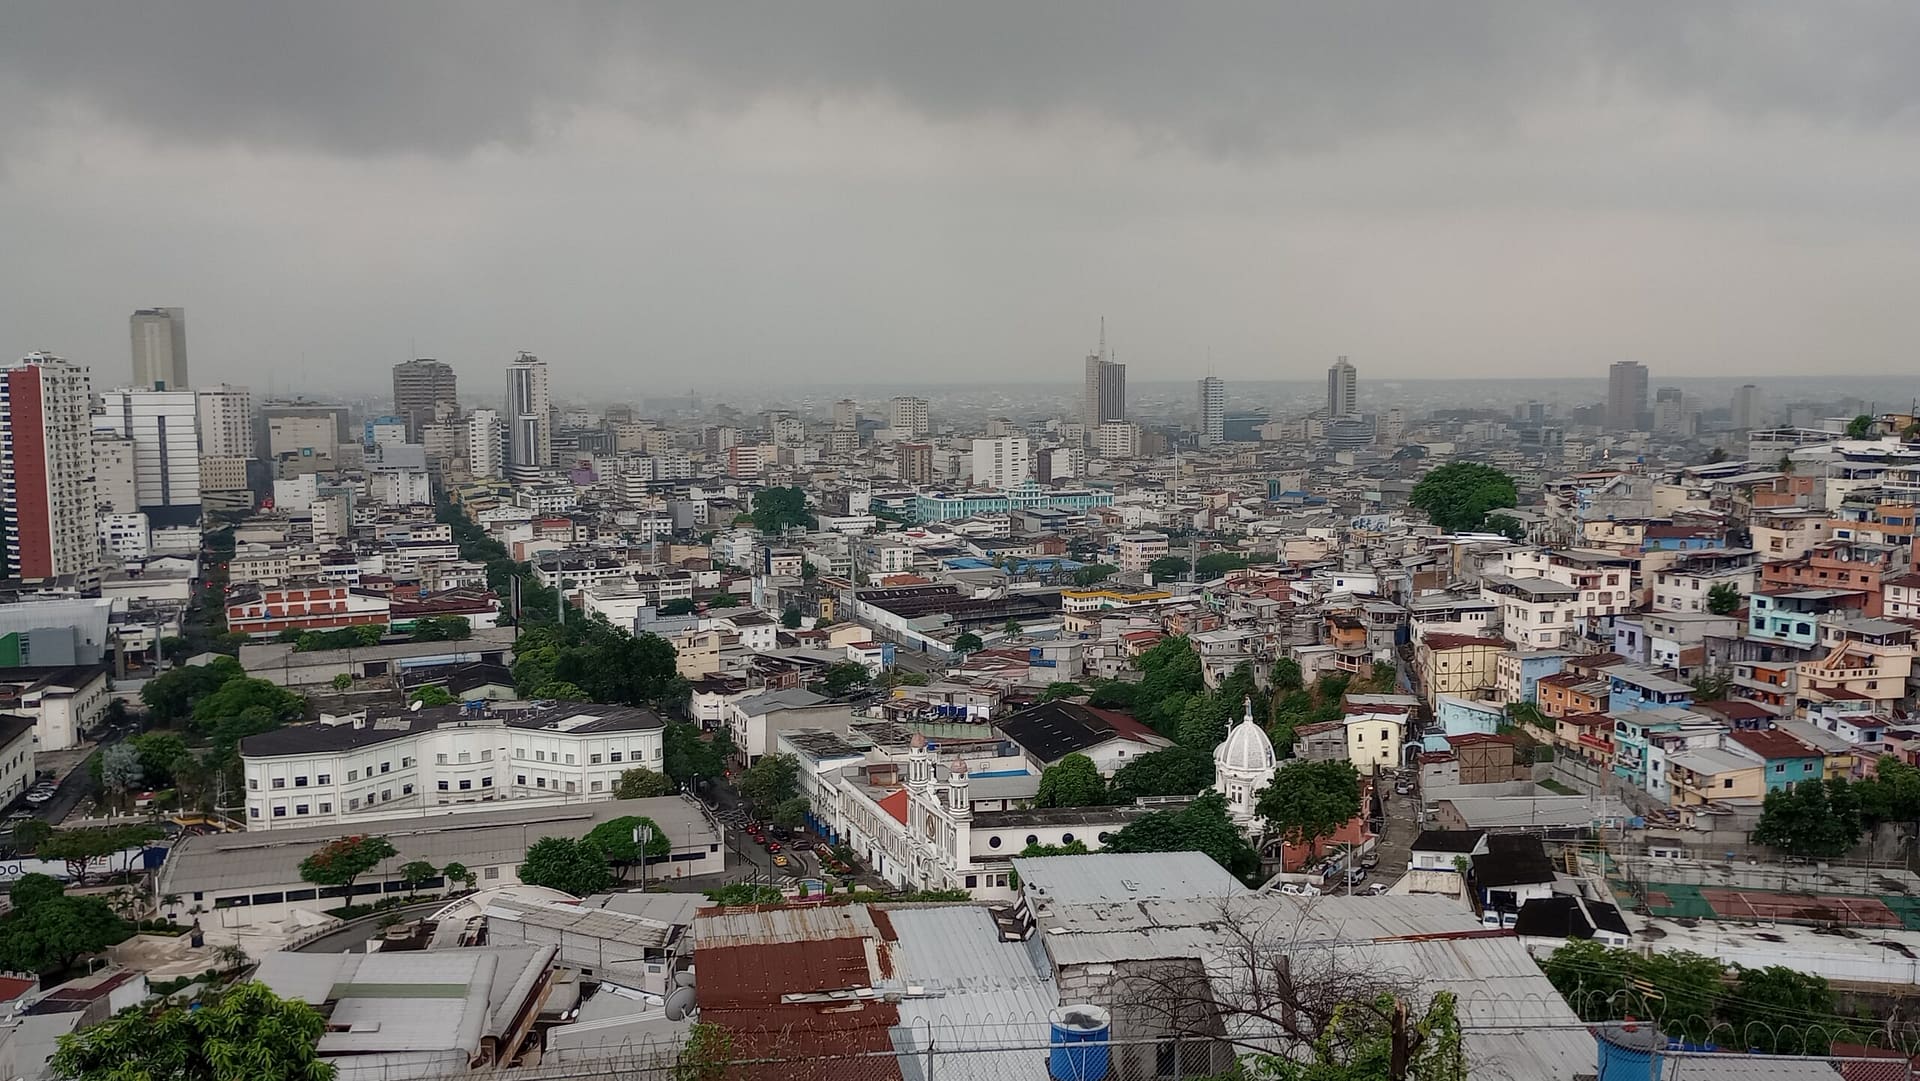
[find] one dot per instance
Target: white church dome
(1246, 748)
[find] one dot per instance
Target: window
(353, 775)
(539, 782)
(972, 881)
(520, 752)
(440, 759)
(1781, 768)
(1066, 838)
(465, 756)
(593, 786)
(1384, 735)
(279, 782)
(353, 804)
(253, 784)
(486, 755)
(486, 782)
(406, 789)
(569, 760)
(539, 756)
(490, 873)
(593, 759)
(613, 756)
(279, 812)
(405, 763)
(387, 767)
(386, 794)
(444, 786)
(299, 808)
(466, 786)
(299, 782)
(571, 787)
(326, 808)
(520, 779)
(324, 778)
(1033, 839)
(253, 812)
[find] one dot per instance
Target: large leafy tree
(1167, 567)
(1175, 771)
(775, 509)
(1458, 496)
(773, 780)
(844, 678)
(614, 839)
(442, 629)
(171, 695)
(643, 783)
(161, 755)
(1682, 991)
(1074, 781)
(46, 930)
(1724, 599)
(1214, 564)
(1094, 574)
(246, 1033)
(1061, 689)
(1200, 826)
(1170, 675)
(564, 864)
(689, 757)
(81, 849)
(1892, 794)
(968, 642)
(1814, 818)
(1781, 1011)
(341, 862)
(1361, 1044)
(1309, 801)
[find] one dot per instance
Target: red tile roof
(1773, 743)
(895, 804)
(1459, 641)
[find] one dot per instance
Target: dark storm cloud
(444, 78)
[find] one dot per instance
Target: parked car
(779, 861)
(39, 796)
(1377, 889)
(1299, 889)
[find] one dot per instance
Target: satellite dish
(679, 1003)
(683, 978)
(415, 706)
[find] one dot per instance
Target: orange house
(1570, 693)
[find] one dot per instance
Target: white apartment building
(47, 496)
(126, 535)
(441, 758)
(908, 416)
(1116, 439)
(1135, 551)
(1683, 590)
(222, 473)
(226, 421)
(113, 473)
(16, 757)
(1005, 462)
(164, 427)
(529, 415)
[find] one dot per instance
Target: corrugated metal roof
(1116, 876)
(798, 923)
(965, 987)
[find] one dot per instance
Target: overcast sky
(705, 194)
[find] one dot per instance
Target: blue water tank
(1079, 1050)
(1627, 1050)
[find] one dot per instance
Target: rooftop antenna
(1103, 337)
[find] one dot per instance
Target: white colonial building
(1243, 764)
(362, 769)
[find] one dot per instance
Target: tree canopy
(690, 758)
(614, 839)
(1167, 567)
(1200, 826)
(604, 662)
(442, 629)
(171, 695)
(1458, 496)
(1074, 781)
(1814, 818)
(245, 1032)
(46, 930)
(968, 642)
(1309, 801)
(1174, 771)
(643, 783)
(774, 509)
(1061, 689)
(81, 849)
(1214, 564)
(564, 864)
(1093, 574)
(341, 862)
(1724, 599)
(844, 678)
(772, 780)
(1860, 427)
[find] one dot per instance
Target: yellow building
(1458, 664)
(1374, 740)
(1710, 775)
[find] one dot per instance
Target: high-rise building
(914, 462)
(908, 416)
(846, 415)
(1213, 411)
(46, 470)
(1001, 463)
(483, 443)
(226, 421)
(164, 426)
(1106, 392)
(423, 392)
(113, 484)
(159, 349)
(1626, 394)
(529, 416)
(1116, 439)
(1343, 389)
(1669, 411)
(1747, 407)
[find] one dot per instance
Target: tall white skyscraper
(846, 415)
(1747, 407)
(909, 416)
(1005, 462)
(529, 416)
(1105, 392)
(1626, 394)
(483, 443)
(1213, 411)
(1343, 389)
(164, 427)
(226, 421)
(159, 349)
(47, 496)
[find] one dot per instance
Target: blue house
(1458, 716)
(1631, 687)
(1536, 665)
(1787, 760)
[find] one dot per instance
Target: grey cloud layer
(445, 77)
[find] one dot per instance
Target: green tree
(342, 682)
(46, 930)
(1012, 629)
(1860, 427)
(1507, 526)
(1359, 1043)
(1458, 496)
(790, 813)
(1113, 694)
(679, 606)
(1200, 826)
(690, 758)
(1892, 794)
(743, 894)
(791, 618)
(171, 695)
(1813, 819)
(433, 695)
(844, 678)
(30, 833)
(643, 783)
(772, 780)
(1093, 574)
(708, 1054)
(968, 642)
(1712, 686)
(442, 629)
(120, 773)
(461, 873)
(237, 695)
(774, 509)
(1309, 801)
(1724, 599)
(1385, 677)
(175, 649)
(1074, 781)
(1205, 719)
(1170, 675)
(1174, 771)
(564, 864)
(1529, 714)
(246, 1032)
(341, 862)
(559, 690)
(417, 873)
(1061, 689)
(614, 839)
(1215, 564)
(1167, 568)
(1780, 1011)
(723, 600)
(81, 849)
(1286, 676)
